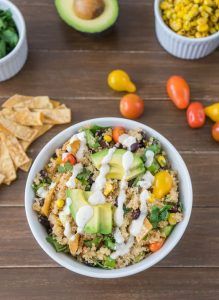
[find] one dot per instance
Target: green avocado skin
(84, 29)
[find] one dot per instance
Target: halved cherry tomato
(215, 132)
(196, 115)
(117, 131)
(131, 106)
(156, 246)
(70, 158)
(179, 92)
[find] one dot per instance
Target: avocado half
(101, 24)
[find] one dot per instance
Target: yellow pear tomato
(163, 183)
(120, 81)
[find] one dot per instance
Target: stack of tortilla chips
(22, 120)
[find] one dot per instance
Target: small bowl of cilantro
(13, 41)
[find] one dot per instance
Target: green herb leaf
(66, 168)
(109, 243)
(109, 263)
(95, 128)
(61, 169)
(158, 214)
(2, 48)
(90, 243)
(58, 247)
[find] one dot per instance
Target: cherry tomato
(131, 106)
(215, 132)
(156, 246)
(179, 92)
(117, 131)
(70, 158)
(196, 115)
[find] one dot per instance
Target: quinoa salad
(108, 197)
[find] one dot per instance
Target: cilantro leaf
(58, 247)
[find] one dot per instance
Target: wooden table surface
(73, 69)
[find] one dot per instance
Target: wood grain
(198, 248)
(73, 68)
(83, 75)
(154, 284)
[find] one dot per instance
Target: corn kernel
(172, 219)
(58, 160)
(202, 27)
(151, 198)
(161, 160)
(108, 189)
(60, 203)
(107, 138)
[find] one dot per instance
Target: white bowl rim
(182, 38)
(21, 28)
(102, 273)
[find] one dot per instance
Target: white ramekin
(12, 63)
(186, 196)
(180, 46)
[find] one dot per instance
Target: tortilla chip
(2, 178)
(24, 116)
(55, 103)
(15, 100)
(16, 151)
(40, 131)
(56, 115)
(47, 202)
(26, 167)
(28, 101)
(7, 168)
(20, 131)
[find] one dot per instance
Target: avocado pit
(88, 9)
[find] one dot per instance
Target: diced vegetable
(156, 246)
(58, 247)
(91, 139)
(70, 158)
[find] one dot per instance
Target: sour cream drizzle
(77, 169)
(97, 196)
(84, 214)
(127, 140)
(63, 218)
(121, 247)
(83, 144)
(149, 158)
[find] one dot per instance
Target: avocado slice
(91, 25)
(101, 222)
(116, 168)
(106, 218)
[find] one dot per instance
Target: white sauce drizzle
(127, 140)
(84, 214)
(42, 192)
(146, 181)
(97, 196)
(77, 169)
(149, 158)
(63, 218)
(136, 225)
(83, 144)
(122, 249)
(127, 160)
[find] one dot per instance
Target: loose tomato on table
(70, 158)
(212, 111)
(131, 106)
(215, 132)
(120, 81)
(196, 115)
(179, 92)
(117, 131)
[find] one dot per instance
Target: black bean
(45, 222)
(119, 146)
(43, 174)
(141, 144)
(41, 201)
(116, 202)
(134, 147)
(144, 136)
(174, 209)
(54, 156)
(130, 183)
(103, 144)
(90, 180)
(136, 214)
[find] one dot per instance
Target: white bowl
(69, 262)
(181, 46)
(12, 63)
